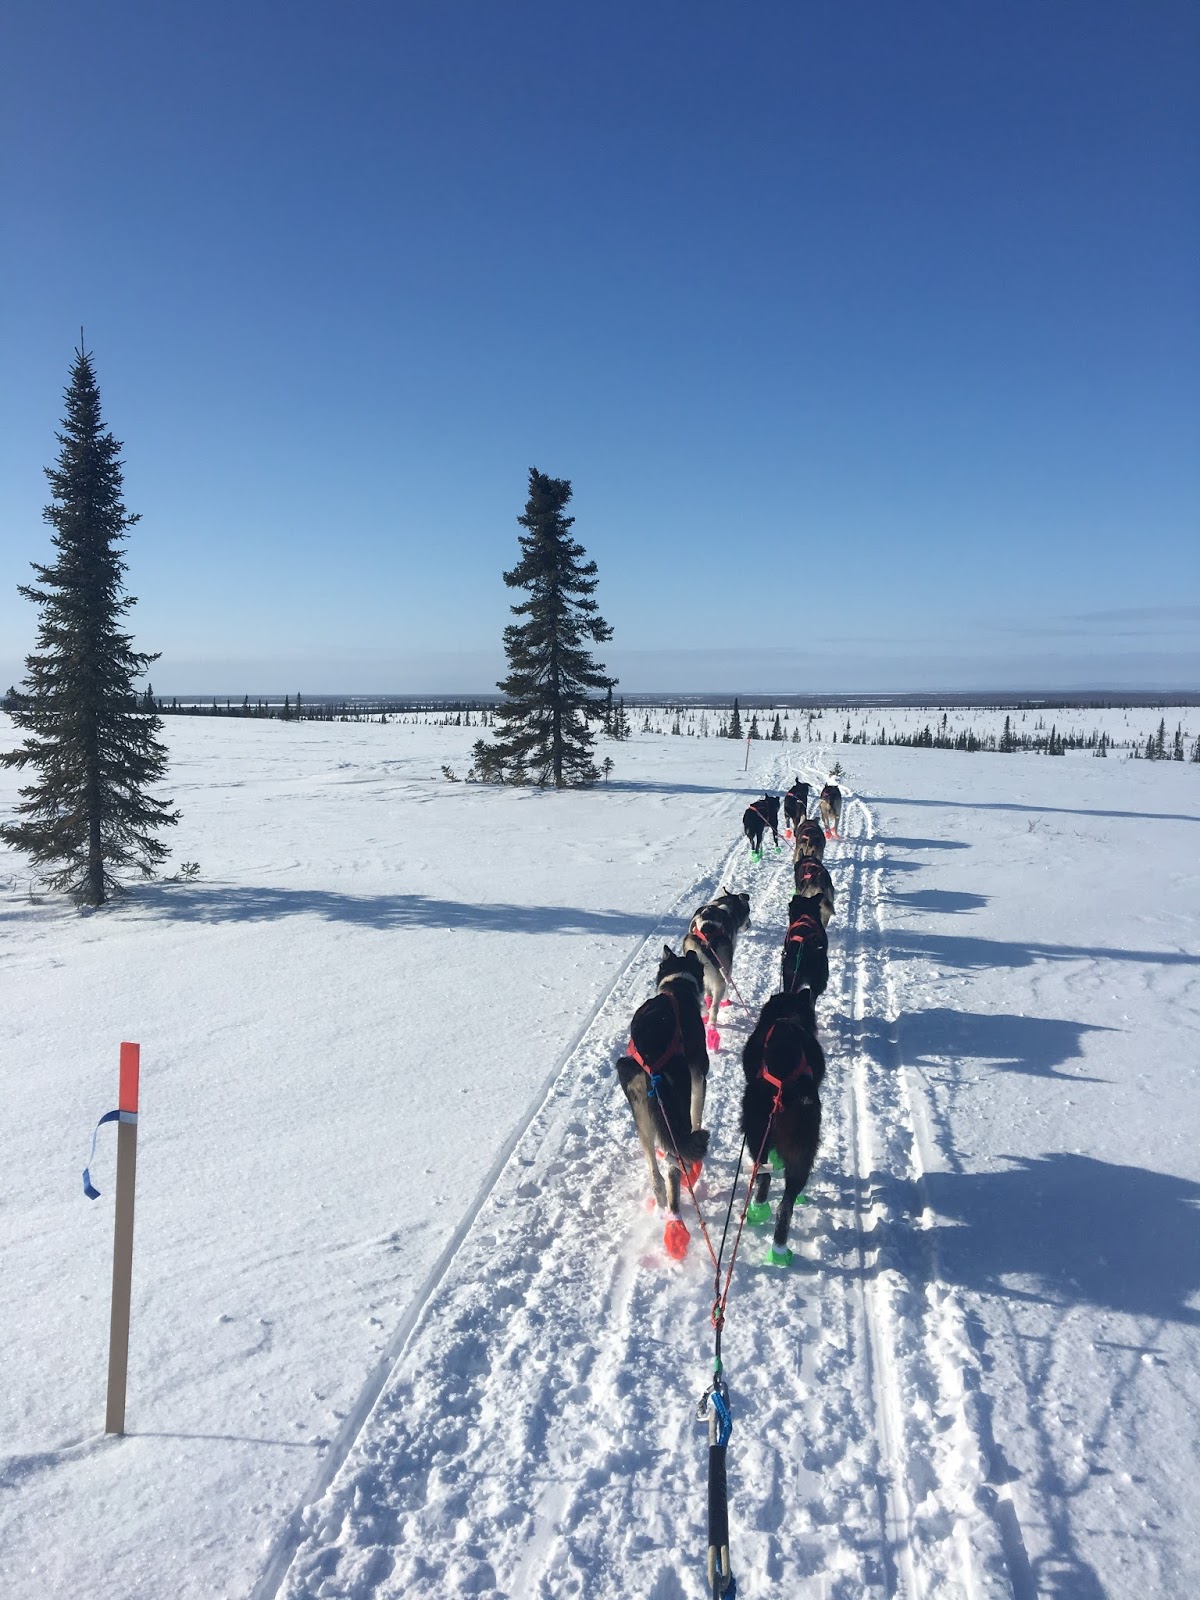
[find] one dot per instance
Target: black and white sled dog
(814, 883)
(831, 809)
(795, 804)
(805, 960)
(781, 1105)
(756, 819)
(810, 840)
(712, 935)
(664, 1075)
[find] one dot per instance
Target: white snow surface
(402, 1324)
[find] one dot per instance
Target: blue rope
(721, 1407)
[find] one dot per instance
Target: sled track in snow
(531, 1424)
(666, 927)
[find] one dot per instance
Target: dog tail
(691, 1143)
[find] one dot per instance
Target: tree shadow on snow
(925, 844)
(949, 902)
(1016, 805)
(648, 786)
(1069, 1230)
(1033, 1045)
(211, 903)
(972, 955)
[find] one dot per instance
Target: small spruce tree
(94, 746)
(735, 722)
(553, 682)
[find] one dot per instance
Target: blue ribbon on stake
(89, 1187)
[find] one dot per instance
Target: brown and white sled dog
(781, 1106)
(664, 1075)
(831, 809)
(712, 935)
(814, 883)
(810, 840)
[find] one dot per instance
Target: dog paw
(675, 1239)
(777, 1257)
(692, 1173)
(712, 1039)
(758, 1211)
(775, 1160)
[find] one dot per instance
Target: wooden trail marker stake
(122, 1283)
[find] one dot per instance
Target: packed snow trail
(538, 1435)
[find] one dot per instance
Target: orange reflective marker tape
(127, 1097)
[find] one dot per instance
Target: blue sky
(868, 335)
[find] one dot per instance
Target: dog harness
(758, 807)
(810, 924)
(675, 1047)
(701, 934)
(652, 1069)
(802, 1069)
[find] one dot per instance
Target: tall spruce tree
(553, 682)
(94, 746)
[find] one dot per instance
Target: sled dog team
(664, 1072)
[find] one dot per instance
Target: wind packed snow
(402, 1324)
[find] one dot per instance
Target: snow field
(574, 1377)
(979, 1378)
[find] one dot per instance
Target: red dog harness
(674, 1048)
(802, 1070)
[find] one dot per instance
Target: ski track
(537, 1435)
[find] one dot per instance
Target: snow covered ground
(401, 1322)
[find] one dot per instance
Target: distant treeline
(1159, 746)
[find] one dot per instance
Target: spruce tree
(553, 682)
(735, 722)
(94, 746)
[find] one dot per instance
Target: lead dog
(810, 840)
(795, 804)
(712, 935)
(814, 883)
(805, 960)
(831, 809)
(756, 819)
(781, 1105)
(664, 1075)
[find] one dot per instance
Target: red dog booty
(675, 1238)
(712, 1038)
(693, 1172)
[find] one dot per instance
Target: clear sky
(868, 334)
